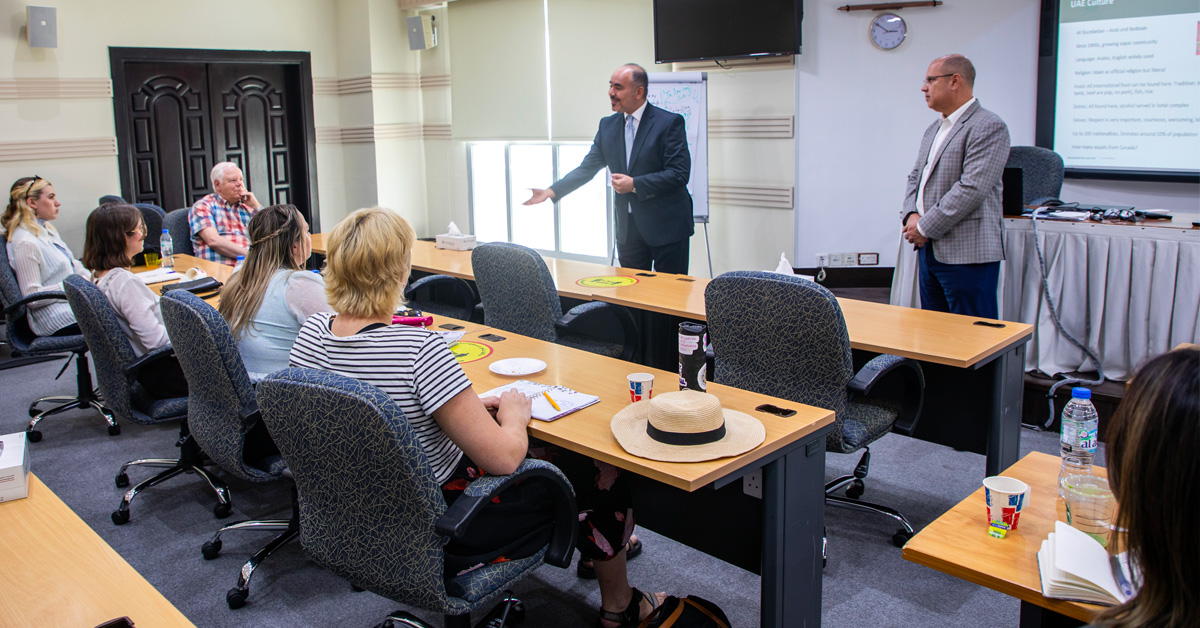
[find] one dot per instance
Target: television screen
(694, 30)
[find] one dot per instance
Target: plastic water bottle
(241, 259)
(1077, 442)
(166, 248)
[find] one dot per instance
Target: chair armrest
(137, 365)
(904, 380)
(459, 288)
(580, 313)
(35, 297)
(455, 521)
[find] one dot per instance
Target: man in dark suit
(952, 208)
(645, 149)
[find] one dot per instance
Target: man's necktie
(630, 131)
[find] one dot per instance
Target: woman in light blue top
(268, 300)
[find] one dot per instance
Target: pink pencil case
(414, 321)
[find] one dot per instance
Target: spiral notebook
(568, 400)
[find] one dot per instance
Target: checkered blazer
(962, 197)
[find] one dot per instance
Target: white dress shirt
(938, 139)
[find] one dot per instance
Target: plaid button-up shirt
(232, 221)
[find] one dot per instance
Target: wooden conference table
(56, 571)
(792, 458)
(960, 355)
(957, 543)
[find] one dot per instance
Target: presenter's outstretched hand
(539, 196)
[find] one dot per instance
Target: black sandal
(588, 572)
(631, 616)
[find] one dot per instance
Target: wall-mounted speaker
(43, 27)
(421, 35)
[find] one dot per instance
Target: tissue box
(455, 242)
(14, 468)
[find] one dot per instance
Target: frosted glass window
(489, 206)
(583, 222)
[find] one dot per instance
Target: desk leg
(793, 524)
(1004, 425)
(1034, 616)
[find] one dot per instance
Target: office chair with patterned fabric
(443, 295)
(519, 296)
(117, 369)
(224, 419)
(153, 216)
(800, 350)
(360, 470)
(1041, 171)
(176, 223)
(26, 343)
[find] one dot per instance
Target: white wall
(86, 28)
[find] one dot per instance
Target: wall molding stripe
(436, 81)
(769, 196)
(436, 131)
(775, 127)
(55, 88)
(365, 84)
(58, 149)
(370, 134)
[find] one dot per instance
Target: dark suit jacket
(661, 166)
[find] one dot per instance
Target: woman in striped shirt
(40, 259)
(368, 263)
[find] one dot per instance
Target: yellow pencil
(551, 401)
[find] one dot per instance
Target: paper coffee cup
(641, 386)
(195, 273)
(1006, 497)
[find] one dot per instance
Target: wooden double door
(180, 112)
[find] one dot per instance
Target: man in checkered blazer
(952, 211)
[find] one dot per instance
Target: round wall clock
(887, 31)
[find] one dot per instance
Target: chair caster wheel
(236, 598)
(901, 537)
(33, 436)
(114, 430)
(222, 510)
(210, 549)
(855, 490)
(120, 517)
(122, 480)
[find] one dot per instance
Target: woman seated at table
(268, 300)
(367, 266)
(114, 234)
(1154, 471)
(40, 259)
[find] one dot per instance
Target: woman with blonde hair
(38, 256)
(463, 436)
(1154, 471)
(115, 233)
(268, 300)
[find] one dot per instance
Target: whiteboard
(686, 93)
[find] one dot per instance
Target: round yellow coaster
(470, 351)
(610, 281)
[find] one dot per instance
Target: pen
(1122, 581)
(547, 395)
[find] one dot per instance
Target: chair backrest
(176, 223)
(16, 323)
(153, 216)
(368, 499)
(1041, 171)
(110, 198)
(780, 335)
(219, 390)
(110, 348)
(516, 289)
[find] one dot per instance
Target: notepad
(1074, 566)
(158, 275)
(568, 400)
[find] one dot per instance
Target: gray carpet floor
(865, 584)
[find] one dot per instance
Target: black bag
(198, 286)
(689, 612)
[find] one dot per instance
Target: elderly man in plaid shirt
(220, 221)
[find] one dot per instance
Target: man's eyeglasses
(930, 79)
(29, 188)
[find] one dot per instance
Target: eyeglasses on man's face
(929, 80)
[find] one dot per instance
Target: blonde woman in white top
(40, 259)
(115, 233)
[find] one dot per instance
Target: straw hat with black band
(685, 426)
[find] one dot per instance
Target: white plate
(517, 366)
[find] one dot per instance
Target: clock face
(887, 31)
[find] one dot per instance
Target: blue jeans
(968, 289)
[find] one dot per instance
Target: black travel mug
(692, 366)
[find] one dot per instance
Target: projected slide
(1128, 91)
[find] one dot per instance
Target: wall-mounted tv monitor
(702, 30)
(1119, 88)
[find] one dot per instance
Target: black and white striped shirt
(413, 366)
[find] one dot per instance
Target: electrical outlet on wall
(822, 260)
(868, 259)
(835, 260)
(849, 259)
(752, 483)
